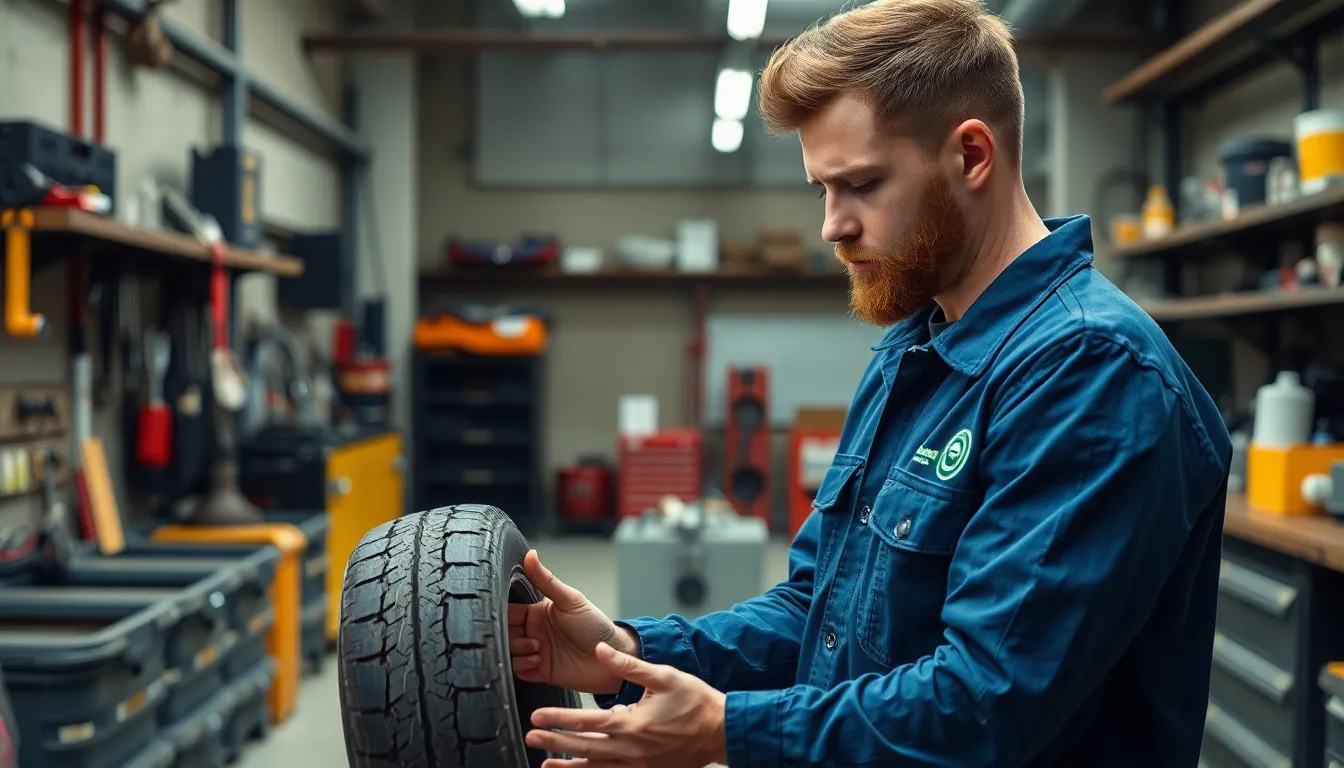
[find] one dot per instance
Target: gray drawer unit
(1278, 624)
(1230, 743)
(1254, 690)
(1260, 608)
(1332, 684)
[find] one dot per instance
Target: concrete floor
(314, 735)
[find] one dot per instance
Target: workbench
(1280, 621)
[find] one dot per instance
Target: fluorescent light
(732, 94)
(727, 135)
(746, 18)
(541, 9)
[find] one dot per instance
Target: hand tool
(189, 430)
(20, 322)
(154, 429)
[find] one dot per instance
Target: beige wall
(153, 119)
(634, 342)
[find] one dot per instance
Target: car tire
(425, 676)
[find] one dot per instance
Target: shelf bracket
(1302, 54)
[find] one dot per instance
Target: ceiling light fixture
(746, 18)
(541, 9)
(732, 93)
(727, 135)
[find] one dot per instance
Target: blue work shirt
(1013, 559)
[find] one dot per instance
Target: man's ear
(974, 145)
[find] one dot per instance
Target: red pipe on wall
(77, 67)
(99, 72)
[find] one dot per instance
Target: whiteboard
(814, 360)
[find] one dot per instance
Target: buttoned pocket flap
(837, 477)
(916, 520)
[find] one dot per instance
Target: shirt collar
(971, 342)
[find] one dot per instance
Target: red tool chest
(657, 464)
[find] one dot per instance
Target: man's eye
(865, 188)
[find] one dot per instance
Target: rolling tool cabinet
(478, 439)
(1278, 626)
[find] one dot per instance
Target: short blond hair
(923, 65)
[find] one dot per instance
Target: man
(1014, 557)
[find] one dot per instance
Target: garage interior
(277, 273)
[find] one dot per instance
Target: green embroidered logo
(954, 456)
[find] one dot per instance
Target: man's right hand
(554, 641)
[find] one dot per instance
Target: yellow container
(282, 641)
(1274, 476)
(1320, 148)
(364, 489)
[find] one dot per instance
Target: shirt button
(903, 528)
(864, 513)
(830, 639)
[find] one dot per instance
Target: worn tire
(425, 675)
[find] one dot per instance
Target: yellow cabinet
(364, 490)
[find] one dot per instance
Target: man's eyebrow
(863, 169)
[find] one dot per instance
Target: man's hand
(552, 641)
(679, 722)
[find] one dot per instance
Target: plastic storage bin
(226, 585)
(86, 680)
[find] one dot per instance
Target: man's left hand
(677, 724)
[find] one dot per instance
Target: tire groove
(416, 658)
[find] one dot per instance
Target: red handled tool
(154, 430)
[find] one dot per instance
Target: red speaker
(746, 482)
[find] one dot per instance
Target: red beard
(905, 279)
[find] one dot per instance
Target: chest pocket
(914, 529)
(835, 497)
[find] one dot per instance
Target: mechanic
(1013, 559)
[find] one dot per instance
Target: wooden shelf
(1241, 304)
(1315, 539)
(1291, 218)
(628, 279)
(1223, 49)
(70, 227)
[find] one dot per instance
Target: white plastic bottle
(1283, 412)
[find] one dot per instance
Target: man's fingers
(593, 720)
(579, 762)
(517, 615)
(577, 745)
(523, 646)
(524, 663)
(560, 593)
(637, 671)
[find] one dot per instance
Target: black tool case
(313, 618)
(86, 679)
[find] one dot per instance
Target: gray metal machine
(688, 560)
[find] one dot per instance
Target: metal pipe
(100, 75)
(77, 67)
(225, 63)
(350, 198)
(233, 107)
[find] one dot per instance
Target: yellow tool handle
(20, 322)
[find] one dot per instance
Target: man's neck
(998, 245)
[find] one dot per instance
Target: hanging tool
(20, 322)
(154, 428)
(189, 430)
(224, 504)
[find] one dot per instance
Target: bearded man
(1014, 558)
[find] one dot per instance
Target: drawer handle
(1261, 591)
(1335, 706)
(1248, 667)
(339, 486)
(1241, 741)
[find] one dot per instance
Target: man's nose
(839, 226)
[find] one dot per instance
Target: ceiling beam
(457, 40)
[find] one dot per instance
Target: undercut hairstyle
(924, 66)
